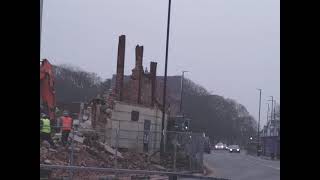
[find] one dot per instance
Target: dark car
(234, 148)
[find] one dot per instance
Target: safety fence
(118, 149)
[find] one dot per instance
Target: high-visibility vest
(46, 125)
(66, 123)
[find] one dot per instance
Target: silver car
(219, 146)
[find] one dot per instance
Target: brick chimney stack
(120, 68)
(139, 58)
(138, 71)
(153, 75)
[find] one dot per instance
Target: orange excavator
(47, 92)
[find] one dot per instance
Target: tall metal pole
(181, 90)
(165, 79)
(41, 8)
(258, 145)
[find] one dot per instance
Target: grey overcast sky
(231, 47)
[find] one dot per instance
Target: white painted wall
(131, 132)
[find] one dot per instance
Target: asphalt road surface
(239, 166)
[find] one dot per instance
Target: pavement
(240, 166)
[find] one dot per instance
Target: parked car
(219, 146)
(234, 148)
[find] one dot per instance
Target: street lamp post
(258, 145)
(41, 7)
(181, 90)
(165, 80)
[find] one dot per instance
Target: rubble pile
(92, 153)
(133, 160)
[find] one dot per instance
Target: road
(237, 166)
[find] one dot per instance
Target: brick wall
(120, 67)
(141, 87)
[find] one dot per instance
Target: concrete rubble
(111, 150)
(92, 153)
(77, 138)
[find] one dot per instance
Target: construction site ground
(87, 152)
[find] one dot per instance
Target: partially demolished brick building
(134, 108)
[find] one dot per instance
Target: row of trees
(73, 84)
(221, 119)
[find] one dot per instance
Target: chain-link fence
(124, 149)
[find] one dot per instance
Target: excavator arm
(47, 92)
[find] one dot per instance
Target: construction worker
(66, 122)
(45, 129)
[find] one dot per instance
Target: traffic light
(186, 125)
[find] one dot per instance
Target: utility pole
(181, 91)
(41, 8)
(165, 80)
(258, 146)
